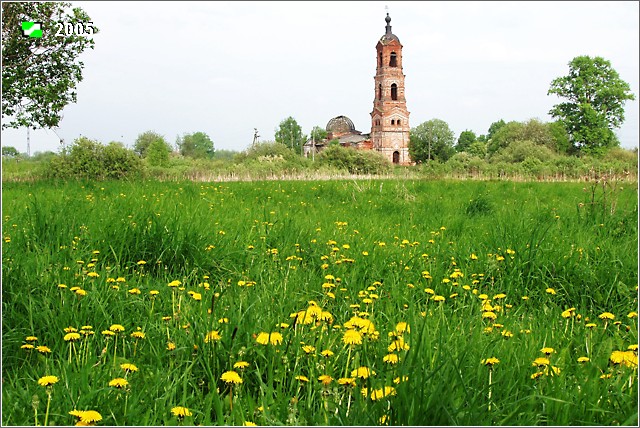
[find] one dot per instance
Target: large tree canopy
(431, 140)
(197, 145)
(39, 75)
(290, 134)
(595, 96)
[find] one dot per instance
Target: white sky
(225, 68)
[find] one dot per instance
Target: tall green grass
(257, 253)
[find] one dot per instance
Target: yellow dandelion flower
(490, 361)
(275, 338)
(128, 367)
(119, 383)
(489, 315)
(154, 293)
(391, 358)
(536, 375)
(541, 361)
(249, 424)
(633, 314)
(86, 417)
(212, 336)
(352, 337)
(241, 365)
(362, 372)
(377, 394)
(590, 325)
(180, 412)
(48, 380)
(43, 349)
(625, 358)
(134, 291)
(231, 377)
(347, 381)
(606, 316)
(583, 359)
(174, 283)
(308, 349)
(302, 378)
(116, 328)
(633, 347)
(71, 337)
(138, 335)
(108, 333)
(551, 291)
(27, 346)
(547, 351)
(171, 346)
(327, 353)
(325, 379)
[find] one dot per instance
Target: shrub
(89, 159)
(354, 161)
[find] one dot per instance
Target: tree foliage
(354, 161)
(9, 152)
(594, 106)
(197, 145)
(145, 139)
(40, 75)
(465, 140)
(431, 140)
(318, 133)
(550, 135)
(91, 160)
(290, 134)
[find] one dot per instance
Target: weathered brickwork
(390, 118)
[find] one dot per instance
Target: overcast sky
(225, 68)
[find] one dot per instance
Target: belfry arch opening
(393, 61)
(394, 92)
(396, 157)
(379, 92)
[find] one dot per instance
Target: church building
(389, 118)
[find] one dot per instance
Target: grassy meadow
(353, 302)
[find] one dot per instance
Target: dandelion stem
(490, 372)
(46, 415)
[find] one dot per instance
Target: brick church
(389, 118)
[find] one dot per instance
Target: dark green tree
(290, 134)
(594, 107)
(145, 139)
(493, 128)
(197, 145)
(9, 152)
(431, 140)
(40, 75)
(157, 153)
(318, 133)
(465, 140)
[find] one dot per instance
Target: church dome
(340, 125)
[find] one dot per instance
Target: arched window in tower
(394, 92)
(398, 122)
(393, 122)
(380, 92)
(380, 60)
(393, 62)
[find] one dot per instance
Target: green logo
(32, 29)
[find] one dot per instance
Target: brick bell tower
(390, 118)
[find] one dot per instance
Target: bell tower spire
(390, 118)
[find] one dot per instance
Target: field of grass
(370, 302)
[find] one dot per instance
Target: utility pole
(28, 144)
(255, 137)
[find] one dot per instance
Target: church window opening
(380, 60)
(393, 62)
(394, 92)
(393, 122)
(379, 92)
(398, 122)
(396, 157)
